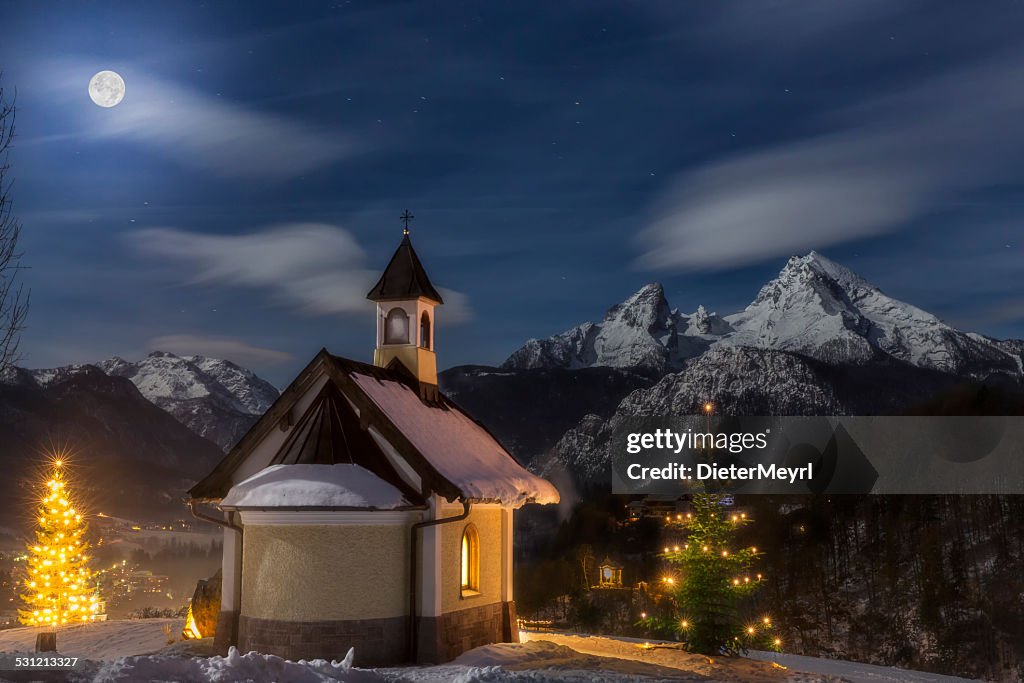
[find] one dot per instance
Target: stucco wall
(321, 573)
(488, 526)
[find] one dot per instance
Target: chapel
(365, 509)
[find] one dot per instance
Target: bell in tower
(405, 315)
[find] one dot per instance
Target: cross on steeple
(407, 218)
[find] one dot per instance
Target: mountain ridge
(814, 307)
(216, 399)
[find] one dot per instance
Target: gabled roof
(404, 278)
(453, 455)
(329, 434)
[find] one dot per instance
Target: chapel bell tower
(405, 315)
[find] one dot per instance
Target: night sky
(557, 156)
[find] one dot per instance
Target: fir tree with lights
(59, 587)
(707, 583)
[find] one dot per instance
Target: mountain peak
(647, 309)
(639, 333)
(819, 308)
(825, 267)
(652, 290)
(206, 394)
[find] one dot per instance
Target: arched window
(470, 561)
(396, 327)
(425, 330)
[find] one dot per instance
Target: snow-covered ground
(138, 652)
(726, 669)
(101, 640)
(854, 672)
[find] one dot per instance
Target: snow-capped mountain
(163, 377)
(814, 307)
(642, 334)
(216, 399)
(818, 308)
(137, 459)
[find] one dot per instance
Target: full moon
(106, 88)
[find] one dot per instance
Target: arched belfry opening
(396, 326)
(425, 330)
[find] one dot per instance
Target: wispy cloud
(317, 267)
(235, 350)
(200, 129)
(876, 168)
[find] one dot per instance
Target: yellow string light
(59, 586)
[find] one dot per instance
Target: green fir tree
(709, 582)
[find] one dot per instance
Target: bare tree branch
(14, 298)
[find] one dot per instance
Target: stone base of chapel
(442, 639)
(226, 634)
(378, 642)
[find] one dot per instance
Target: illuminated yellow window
(470, 561)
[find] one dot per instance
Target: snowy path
(854, 671)
(668, 655)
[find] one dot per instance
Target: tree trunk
(46, 642)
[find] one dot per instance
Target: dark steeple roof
(404, 278)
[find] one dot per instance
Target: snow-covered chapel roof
(315, 486)
(378, 419)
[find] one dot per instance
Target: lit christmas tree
(707, 582)
(59, 586)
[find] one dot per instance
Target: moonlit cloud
(877, 167)
(203, 130)
(316, 267)
(235, 350)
